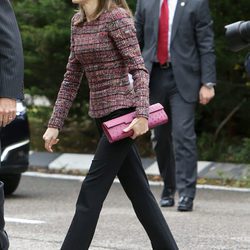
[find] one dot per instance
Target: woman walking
(105, 49)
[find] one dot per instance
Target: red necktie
(162, 50)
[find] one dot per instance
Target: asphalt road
(40, 211)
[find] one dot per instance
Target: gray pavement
(38, 215)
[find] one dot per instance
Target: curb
(79, 164)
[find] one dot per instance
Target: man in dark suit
(11, 84)
(176, 40)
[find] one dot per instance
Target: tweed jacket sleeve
(69, 88)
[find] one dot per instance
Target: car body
(15, 144)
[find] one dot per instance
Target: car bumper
(15, 158)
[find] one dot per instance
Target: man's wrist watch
(209, 85)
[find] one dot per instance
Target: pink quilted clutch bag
(114, 128)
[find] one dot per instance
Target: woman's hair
(107, 5)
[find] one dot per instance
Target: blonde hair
(105, 5)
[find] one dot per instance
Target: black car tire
(11, 182)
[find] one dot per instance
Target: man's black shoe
(167, 201)
(185, 204)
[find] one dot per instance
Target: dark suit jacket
(191, 46)
(11, 54)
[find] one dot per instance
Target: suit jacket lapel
(155, 15)
(181, 4)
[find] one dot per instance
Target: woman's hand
(50, 138)
(139, 126)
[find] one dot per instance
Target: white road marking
(23, 221)
(54, 176)
(152, 183)
(213, 187)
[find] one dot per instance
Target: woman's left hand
(139, 126)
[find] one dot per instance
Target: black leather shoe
(167, 201)
(185, 204)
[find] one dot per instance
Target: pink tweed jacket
(105, 50)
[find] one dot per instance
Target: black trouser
(2, 222)
(122, 159)
(4, 241)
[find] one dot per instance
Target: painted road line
(23, 221)
(213, 187)
(55, 176)
(152, 183)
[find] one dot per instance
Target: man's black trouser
(122, 159)
(4, 241)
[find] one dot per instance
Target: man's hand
(7, 111)
(206, 94)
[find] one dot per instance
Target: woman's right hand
(139, 125)
(50, 138)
